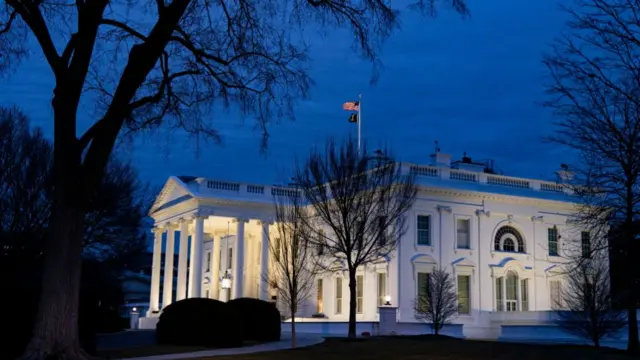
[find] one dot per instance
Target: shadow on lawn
(434, 348)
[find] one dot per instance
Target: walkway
(142, 337)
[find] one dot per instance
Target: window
(320, 307)
(511, 285)
(208, 267)
(553, 241)
(320, 242)
(423, 290)
(382, 288)
(499, 304)
(359, 294)
(338, 295)
(382, 230)
(554, 293)
(424, 230)
(463, 227)
(524, 293)
(508, 245)
(586, 244)
(509, 239)
(463, 295)
(229, 258)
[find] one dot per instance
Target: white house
(501, 237)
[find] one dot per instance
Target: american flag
(351, 106)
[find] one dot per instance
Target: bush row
(212, 323)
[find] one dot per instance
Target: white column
(238, 257)
(167, 290)
(154, 296)
(183, 256)
(190, 267)
(215, 271)
(195, 284)
(264, 261)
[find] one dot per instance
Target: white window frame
(431, 230)
(455, 226)
(469, 279)
(560, 285)
(466, 270)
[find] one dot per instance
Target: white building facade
(500, 237)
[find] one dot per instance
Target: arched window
(509, 239)
(508, 245)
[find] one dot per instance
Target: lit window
(555, 295)
(382, 288)
(524, 292)
(463, 295)
(359, 294)
(423, 291)
(338, 295)
(320, 307)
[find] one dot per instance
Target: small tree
(587, 305)
(361, 199)
(293, 269)
(437, 300)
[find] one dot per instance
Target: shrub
(199, 322)
(260, 319)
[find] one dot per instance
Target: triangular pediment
(173, 192)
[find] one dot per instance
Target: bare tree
(594, 91)
(293, 269)
(437, 300)
(358, 204)
(587, 304)
(152, 63)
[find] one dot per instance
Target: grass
(150, 350)
(432, 348)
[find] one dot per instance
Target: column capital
(442, 208)
(537, 218)
(158, 230)
(241, 219)
(267, 221)
(203, 213)
(481, 212)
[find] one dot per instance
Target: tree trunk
(352, 304)
(55, 332)
(632, 344)
(293, 331)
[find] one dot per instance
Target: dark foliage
(113, 234)
(260, 319)
(199, 322)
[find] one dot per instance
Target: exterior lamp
(387, 300)
(226, 281)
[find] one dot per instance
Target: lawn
(151, 350)
(428, 347)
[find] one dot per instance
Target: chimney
(564, 174)
(441, 159)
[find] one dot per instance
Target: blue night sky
(472, 84)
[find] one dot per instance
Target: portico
(212, 241)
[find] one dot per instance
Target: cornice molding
(481, 212)
(497, 197)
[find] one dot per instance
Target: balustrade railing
(420, 171)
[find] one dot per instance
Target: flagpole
(359, 119)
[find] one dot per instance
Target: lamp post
(387, 300)
(225, 284)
